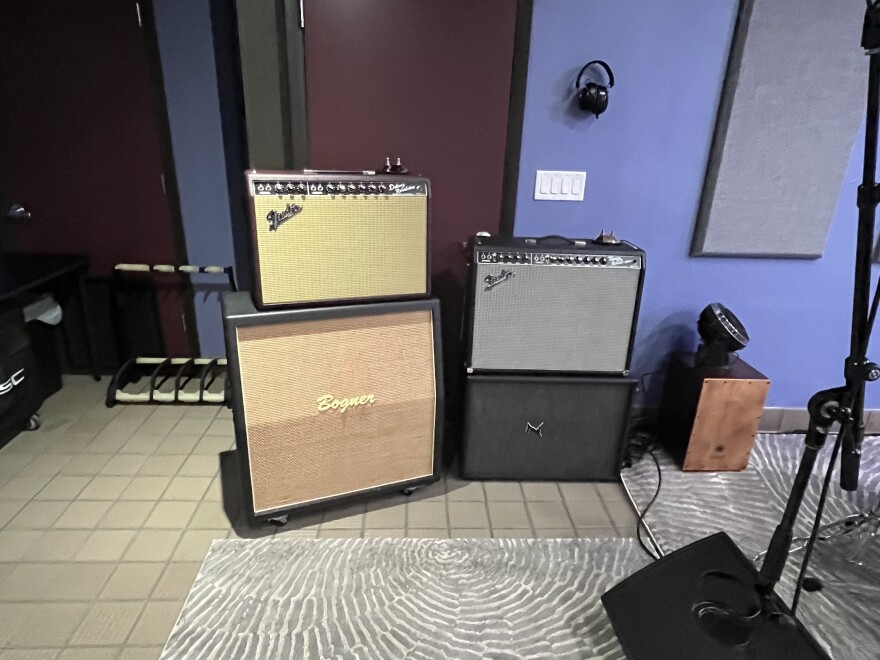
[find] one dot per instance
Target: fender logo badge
(327, 402)
(494, 280)
(278, 218)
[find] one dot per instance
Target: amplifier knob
(362, 188)
(604, 260)
(553, 259)
(372, 187)
(301, 187)
(279, 187)
(290, 187)
(383, 187)
(351, 187)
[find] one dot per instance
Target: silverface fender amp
(321, 237)
(545, 427)
(552, 305)
(335, 401)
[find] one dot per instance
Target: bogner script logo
(15, 379)
(494, 280)
(278, 218)
(327, 402)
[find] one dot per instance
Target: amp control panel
(559, 259)
(335, 187)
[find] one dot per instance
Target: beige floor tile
(141, 653)
(510, 515)
(158, 425)
(177, 443)
(212, 515)
(589, 514)
(59, 545)
(105, 545)
(221, 427)
(89, 653)
(200, 466)
(579, 492)
(177, 580)
(339, 533)
(350, 516)
(428, 533)
(145, 488)
(542, 491)
(23, 488)
(612, 492)
(384, 533)
(132, 581)
(171, 515)
(465, 491)
(127, 514)
(597, 532)
(107, 624)
(189, 426)
(305, 533)
(214, 444)
(199, 412)
(17, 544)
(503, 491)
(105, 488)
(63, 488)
(82, 515)
(43, 624)
(389, 517)
(10, 509)
(215, 491)
(427, 515)
(195, 543)
(47, 465)
(467, 515)
(123, 464)
(12, 464)
(629, 532)
(161, 465)
(155, 623)
(622, 513)
(500, 533)
(143, 444)
(29, 582)
(30, 654)
(107, 442)
(80, 581)
(86, 464)
(153, 545)
(558, 533)
(224, 413)
(470, 533)
(435, 492)
(548, 515)
(37, 514)
(187, 488)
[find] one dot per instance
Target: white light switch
(565, 186)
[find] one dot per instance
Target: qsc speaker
(333, 402)
(545, 427)
(320, 237)
(552, 305)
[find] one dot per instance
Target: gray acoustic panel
(790, 109)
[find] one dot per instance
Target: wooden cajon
(709, 418)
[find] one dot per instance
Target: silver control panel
(327, 187)
(560, 259)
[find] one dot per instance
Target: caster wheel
(33, 423)
(280, 521)
(409, 491)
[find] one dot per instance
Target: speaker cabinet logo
(494, 280)
(15, 379)
(278, 218)
(327, 402)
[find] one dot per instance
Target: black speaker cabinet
(545, 427)
(701, 603)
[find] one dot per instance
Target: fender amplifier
(552, 305)
(333, 402)
(321, 237)
(545, 427)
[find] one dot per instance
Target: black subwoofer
(546, 427)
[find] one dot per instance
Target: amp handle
(569, 241)
(361, 172)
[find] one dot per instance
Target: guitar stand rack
(172, 381)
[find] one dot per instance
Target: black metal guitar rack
(178, 372)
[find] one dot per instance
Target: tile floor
(106, 516)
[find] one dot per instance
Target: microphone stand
(844, 405)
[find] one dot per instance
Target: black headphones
(593, 97)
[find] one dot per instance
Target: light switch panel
(564, 186)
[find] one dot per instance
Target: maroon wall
(81, 143)
(430, 82)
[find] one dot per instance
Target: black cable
(645, 510)
(817, 523)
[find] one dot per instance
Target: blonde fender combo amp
(333, 402)
(553, 304)
(325, 237)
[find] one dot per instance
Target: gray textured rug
(403, 598)
(845, 615)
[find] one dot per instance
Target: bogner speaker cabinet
(321, 237)
(333, 402)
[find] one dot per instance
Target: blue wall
(186, 50)
(645, 160)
